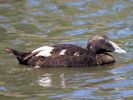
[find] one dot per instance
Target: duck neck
(91, 52)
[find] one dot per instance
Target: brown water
(27, 24)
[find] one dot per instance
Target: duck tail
(19, 55)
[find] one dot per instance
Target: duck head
(100, 46)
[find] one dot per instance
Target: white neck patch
(117, 48)
(44, 51)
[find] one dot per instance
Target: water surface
(27, 24)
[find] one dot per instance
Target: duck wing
(69, 49)
(58, 50)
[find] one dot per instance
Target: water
(27, 24)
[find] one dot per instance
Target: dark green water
(28, 24)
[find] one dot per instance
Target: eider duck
(69, 55)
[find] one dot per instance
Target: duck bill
(117, 49)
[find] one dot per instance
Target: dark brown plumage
(68, 55)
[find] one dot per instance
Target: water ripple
(118, 6)
(33, 3)
(78, 31)
(27, 24)
(76, 3)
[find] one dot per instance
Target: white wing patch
(62, 52)
(44, 51)
(76, 54)
(117, 48)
